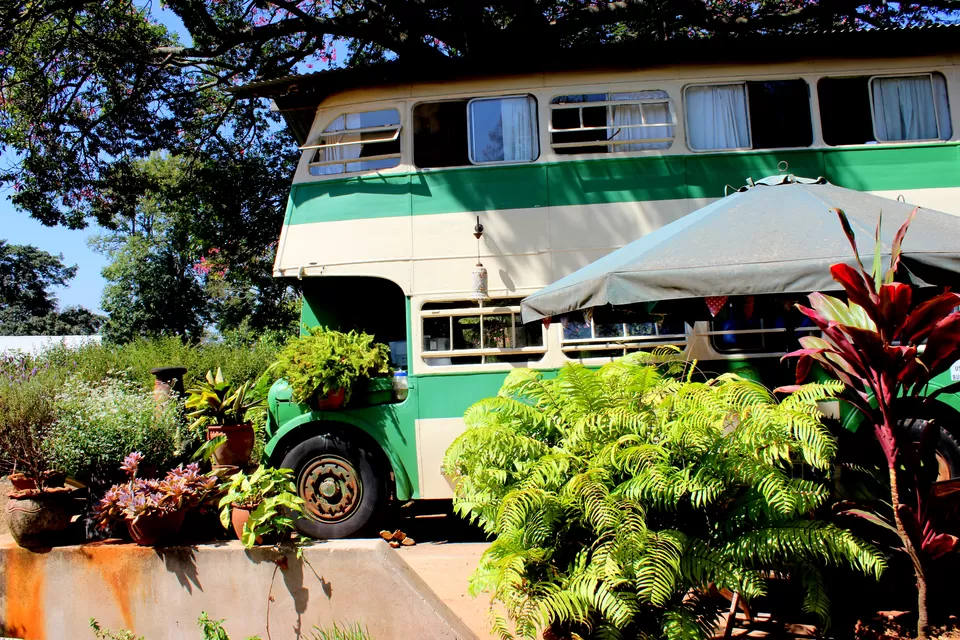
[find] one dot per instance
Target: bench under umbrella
(776, 235)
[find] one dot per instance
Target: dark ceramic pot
(35, 518)
(151, 529)
(238, 447)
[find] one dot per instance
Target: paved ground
(446, 568)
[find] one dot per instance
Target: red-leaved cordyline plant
(872, 343)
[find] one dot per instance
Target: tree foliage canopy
(87, 87)
(27, 304)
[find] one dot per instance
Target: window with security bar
(611, 334)
(352, 142)
(612, 122)
(479, 332)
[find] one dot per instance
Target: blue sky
(19, 228)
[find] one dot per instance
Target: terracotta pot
(35, 517)
(331, 401)
(150, 529)
(21, 482)
(238, 447)
(238, 518)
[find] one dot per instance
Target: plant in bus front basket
(620, 497)
(261, 505)
(886, 347)
(326, 363)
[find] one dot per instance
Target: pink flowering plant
(182, 488)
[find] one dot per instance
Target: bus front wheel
(342, 483)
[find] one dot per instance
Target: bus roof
(297, 97)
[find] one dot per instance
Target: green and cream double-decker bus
(561, 161)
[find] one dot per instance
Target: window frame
(623, 344)
(608, 103)
(482, 352)
(686, 116)
(315, 146)
(814, 118)
(712, 334)
(933, 97)
(536, 130)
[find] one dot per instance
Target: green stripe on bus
(609, 181)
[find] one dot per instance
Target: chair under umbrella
(776, 235)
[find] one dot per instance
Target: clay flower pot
(238, 518)
(238, 447)
(149, 529)
(21, 482)
(331, 401)
(35, 517)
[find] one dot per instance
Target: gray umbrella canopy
(778, 235)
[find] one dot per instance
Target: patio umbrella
(776, 235)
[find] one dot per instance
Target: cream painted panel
(347, 241)
(506, 274)
(944, 200)
(566, 262)
(610, 226)
(505, 232)
(434, 437)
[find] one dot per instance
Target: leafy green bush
(327, 360)
(271, 496)
(618, 496)
(98, 424)
(239, 357)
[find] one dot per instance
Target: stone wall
(159, 592)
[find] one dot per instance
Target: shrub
(26, 415)
(618, 496)
(239, 359)
(98, 424)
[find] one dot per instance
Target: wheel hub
(331, 489)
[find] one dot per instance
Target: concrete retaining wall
(159, 593)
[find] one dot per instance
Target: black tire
(351, 472)
(948, 449)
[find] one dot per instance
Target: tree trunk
(914, 556)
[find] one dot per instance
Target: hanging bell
(478, 287)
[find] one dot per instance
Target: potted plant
(154, 509)
(260, 506)
(323, 366)
(39, 507)
(221, 408)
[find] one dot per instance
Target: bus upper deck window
(364, 141)
(440, 134)
(770, 114)
(861, 110)
(622, 122)
(503, 130)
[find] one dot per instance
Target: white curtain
(628, 114)
(349, 152)
(903, 108)
(518, 117)
(717, 117)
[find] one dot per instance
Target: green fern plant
(618, 496)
